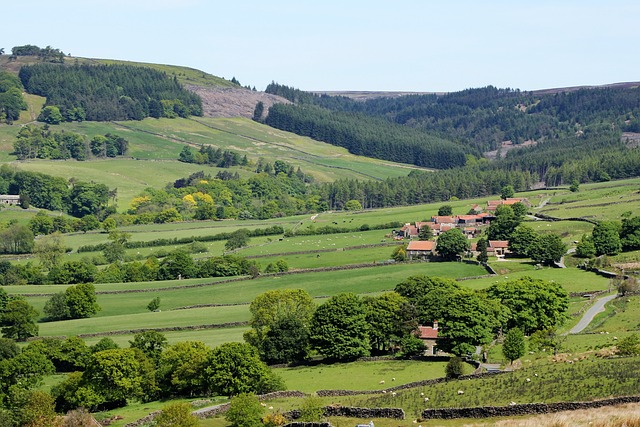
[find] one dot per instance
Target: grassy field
(360, 375)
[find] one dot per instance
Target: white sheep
(270, 407)
(528, 380)
(382, 382)
(393, 379)
(263, 404)
(426, 399)
(384, 391)
(421, 394)
(460, 391)
(393, 394)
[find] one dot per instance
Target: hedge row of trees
(40, 142)
(46, 54)
(207, 155)
(109, 92)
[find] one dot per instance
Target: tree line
(41, 142)
(109, 92)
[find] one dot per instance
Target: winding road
(588, 316)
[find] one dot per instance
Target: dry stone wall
(522, 409)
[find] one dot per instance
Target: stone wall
(522, 409)
(325, 393)
(353, 412)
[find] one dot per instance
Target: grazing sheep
(382, 382)
(460, 391)
(393, 394)
(535, 375)
(384, 391)
(270, 407)
(528, 380)
(512, 403)
(421, 394)
(426, 399)
(393, 379)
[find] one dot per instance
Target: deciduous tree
(533, 304)
(513, 346)
(340, 328)
(452, 244)
(18, 320)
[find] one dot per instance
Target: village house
(498, 248)
(8, 199)
(493, 204)
(429, 336)
(420, 249)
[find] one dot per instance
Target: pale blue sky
(349, 45)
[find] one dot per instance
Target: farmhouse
(493, 204)
(420, 248)
(498, 248)
(429, 336)
(8, 199)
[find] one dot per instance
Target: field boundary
(523, 409)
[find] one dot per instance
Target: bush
(454, 368)
(244, 411)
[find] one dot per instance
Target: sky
(332, 45)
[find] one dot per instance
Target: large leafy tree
(340, 328)
(606, 238)
(451, 244)
(533, 304)
(547, 249)
(151, 343)
(235, 368)
(390, 319)
(181, 369)
(82, 301)
(630, 233)
(18, 320)
(468, 320)
(283, 311)
(429, 295)
(286, 341)
(111, 378)
(505, 223)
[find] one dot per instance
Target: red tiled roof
(499, 244)
(443, 219)
(469, 217)
(421, 245)
(427, 332)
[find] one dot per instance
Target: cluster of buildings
(470, 224)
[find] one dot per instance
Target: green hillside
(154, 146)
